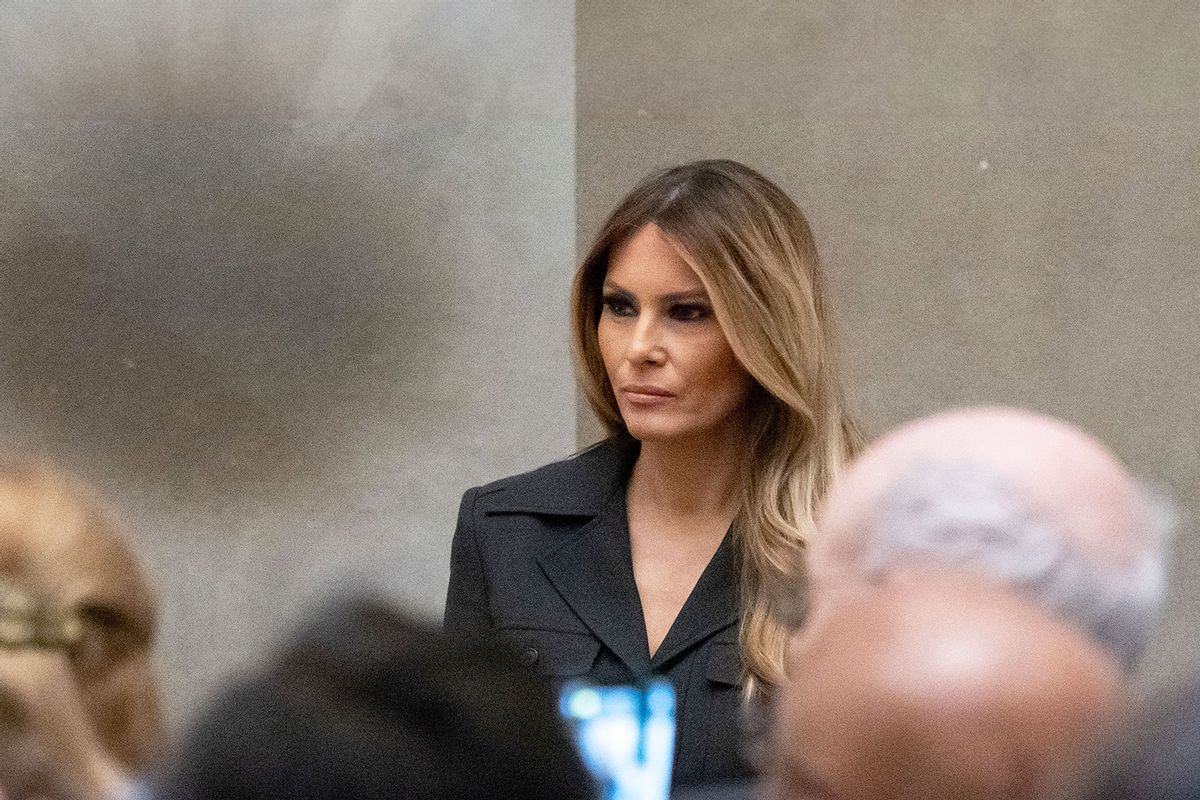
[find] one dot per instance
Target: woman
(702, 340)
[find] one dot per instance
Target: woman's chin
(648, 428)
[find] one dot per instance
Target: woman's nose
(646, 347)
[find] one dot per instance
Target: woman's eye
(619, 307)
(689, 312)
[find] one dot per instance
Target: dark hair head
(366, 703)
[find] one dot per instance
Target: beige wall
(1006, 196)
(278, 277)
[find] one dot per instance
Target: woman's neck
(696, 475)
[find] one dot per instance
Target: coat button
(529, 657)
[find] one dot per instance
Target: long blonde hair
(753, 250)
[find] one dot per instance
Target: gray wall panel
(284, 279)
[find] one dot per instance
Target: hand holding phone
(625, 735)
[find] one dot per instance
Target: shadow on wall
(195, 287)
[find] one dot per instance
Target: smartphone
(625, 735)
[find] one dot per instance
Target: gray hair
(967, 516)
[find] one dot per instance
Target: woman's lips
(644, 395)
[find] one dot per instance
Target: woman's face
(671, 368)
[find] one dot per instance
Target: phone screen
(625, 735)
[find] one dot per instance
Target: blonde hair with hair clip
(753, 250)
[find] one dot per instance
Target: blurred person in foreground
(47, 749)
(946, 687)
(1026, 500)
(79, 711)
(365, 703)
(1029, 503)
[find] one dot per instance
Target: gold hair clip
(27, 622)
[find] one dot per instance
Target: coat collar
(577, 486)
(593, 571)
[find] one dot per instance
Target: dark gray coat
(544, 558)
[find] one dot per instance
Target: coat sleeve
(467, 610)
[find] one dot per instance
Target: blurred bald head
(946, 687)
(1018, 497)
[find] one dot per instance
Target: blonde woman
(702, 339)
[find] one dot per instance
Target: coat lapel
(593, 571)
(593, 568)
(712, 605)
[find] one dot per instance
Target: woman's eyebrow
(688, 295)
(691, 295)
